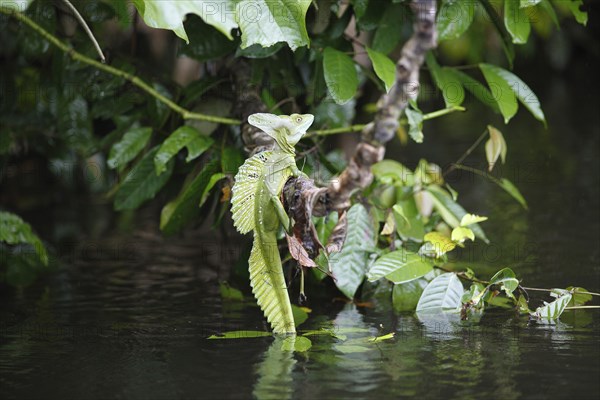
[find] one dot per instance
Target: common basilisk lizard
(256, 206)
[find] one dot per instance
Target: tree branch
(186, 114)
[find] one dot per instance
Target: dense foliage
(151, 136)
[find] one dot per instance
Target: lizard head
(287, 130)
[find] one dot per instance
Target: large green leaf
(454, 18)
(516, 21)
(451, 87)
(349, 266)
(443, 293)
(552, 311)
(501, 91)
(506, 279)
(170, 14)
(205, 42)
(389, 28)
(340, 75)
(518, 87)
(451, 211)
(185, 136)
(141, 183)
(384, 68)
(13, 230)
(267, 22)
(182, 210)
(263, 22)
(128, 147)
(400, 266)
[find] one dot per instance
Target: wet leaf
(495, 147)
(441, 244)
(405, 296)
(240, 335)
(579, 298)
(451, 88)
(552, 311)
(460, 234)
(141, 183)
(442, 293)
(13, 230)
(340, 75)
(399, 266)
(128, 147)
(349, 266)
(297, 344)
(506, 279)
(300, 314)
(501, 91)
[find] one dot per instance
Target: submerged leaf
(240, 335)
(297, 344)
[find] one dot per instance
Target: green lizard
(256, 206)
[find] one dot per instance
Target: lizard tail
(268, 283)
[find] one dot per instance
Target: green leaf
(516, 21)
(205, 42)
(513, 191)
(298, 344)
(501, 91)
(442, 293)
(580, 16)
(392, 169)
(519, 88)
(506, 279)
(445, 80)
(460, 234)
(13, 230)
(229, 293)
(473, 86)
(184, 136)
(495, 147)
(552, 311)
(579, 298)
(211, 183)
(240, 335)
(184, 208)
(409, 224)
(129, 147)
(452, 212)
(415, 123)
(141, 183)
(399, 266)
(300, 314)
(384, 68)
(389, 28)
(546, 6)
(440, 244)
(454, 18)
(470, 219)
(170, 14)
(349, 266)
(405, 296)
(340, 75)
(232, 159)
(267, 22)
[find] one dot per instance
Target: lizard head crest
(287, 130)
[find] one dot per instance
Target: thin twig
(333, 131)
(580, 307)
(466, 153)
(186, 114)
(86, 28)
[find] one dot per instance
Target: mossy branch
(186, 114)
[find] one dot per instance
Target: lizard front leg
(281, 214)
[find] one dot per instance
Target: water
(128, 315)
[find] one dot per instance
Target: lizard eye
(299, 119)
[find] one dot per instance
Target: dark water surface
(128, 317)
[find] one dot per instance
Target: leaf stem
(86, 28)
(186, 114)
(442, 112)
(333, 131)
(580, 307)
(467, 153)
